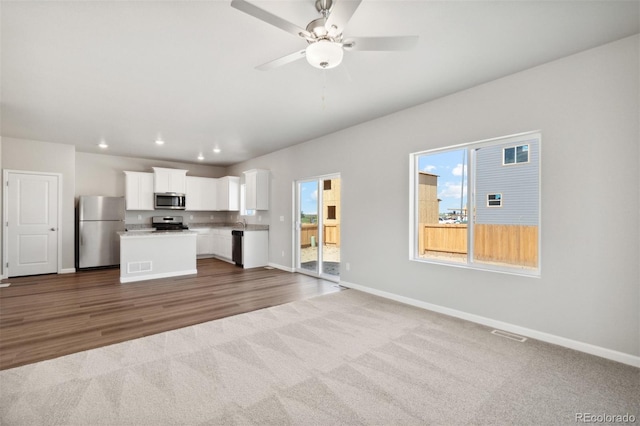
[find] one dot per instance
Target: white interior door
(32, 223)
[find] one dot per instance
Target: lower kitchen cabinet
(222, 243)
(214, 242)
(255, 249)
(204, 241)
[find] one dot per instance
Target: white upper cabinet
(228, 193)
(139, 190)
(201, 193)
(256, 189)
(170, 180)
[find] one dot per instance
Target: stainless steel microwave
(169, 201)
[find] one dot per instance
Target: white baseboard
(523, 331)
(156, 276)
(282, 267)
(67, 271)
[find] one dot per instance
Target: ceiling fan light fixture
(324, 54)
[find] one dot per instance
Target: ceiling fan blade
(282, 61)
(268, 17)
(340, 14)
(381, 43)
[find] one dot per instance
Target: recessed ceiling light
(216, 150)
(159, 141)
(200, 157)
(103, 145)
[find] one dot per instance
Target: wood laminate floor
(47, 316)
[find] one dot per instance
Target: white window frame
(413, 197)
(499, 200)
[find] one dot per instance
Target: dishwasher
(236, 254)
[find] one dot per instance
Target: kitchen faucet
(243, 223)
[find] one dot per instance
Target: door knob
(53, 229)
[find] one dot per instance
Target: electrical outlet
(281, 218)
(347, 266)
(139, 217)
(190, 217)
(211, 217)
(259, 218)
(282, 253)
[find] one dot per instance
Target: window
(494, 200)
(327, 185)
(458, 213)
(331, 212)
(516, 155)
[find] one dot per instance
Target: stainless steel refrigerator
(99, 220)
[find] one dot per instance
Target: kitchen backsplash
(143, 218)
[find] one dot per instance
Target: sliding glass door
(318, 227)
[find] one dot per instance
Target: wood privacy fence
(308, 230)
(511, 244)
(443, 238)
(331, 234)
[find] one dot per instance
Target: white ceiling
(77, 72)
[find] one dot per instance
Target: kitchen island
(146, 255)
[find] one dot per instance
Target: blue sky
(448, 167)
(309, 197)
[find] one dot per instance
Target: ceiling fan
(324, 35)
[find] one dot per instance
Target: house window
(494, 200)
(458, 214)
(516, 155)
(327, 185)
(331, 212)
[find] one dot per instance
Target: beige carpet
(345, 358)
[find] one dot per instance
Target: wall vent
(137, 267)
(509, 336)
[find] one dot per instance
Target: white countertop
(151, 233)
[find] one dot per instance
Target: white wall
(2, 272)
(586, 107)
(36, 156)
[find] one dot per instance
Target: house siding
(518, 184)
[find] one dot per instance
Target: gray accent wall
(586, 107)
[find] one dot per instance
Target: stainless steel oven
(169, 201)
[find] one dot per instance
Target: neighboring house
(428, 208)
(507, 203)
(331, 211)
(506, 184)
